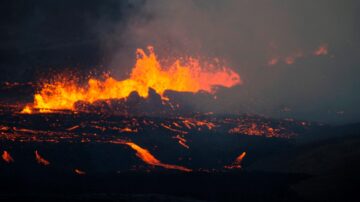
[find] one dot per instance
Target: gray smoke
(247, 34)
(83, 34)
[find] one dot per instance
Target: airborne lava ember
(190, 75)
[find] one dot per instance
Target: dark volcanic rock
(136, 105)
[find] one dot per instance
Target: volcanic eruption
(190, 100)
(86, 121)
(190, 75)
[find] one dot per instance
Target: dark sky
(37, 36)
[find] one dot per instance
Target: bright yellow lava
(189, 76)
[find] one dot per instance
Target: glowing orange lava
(188, 76)
(40, 159)
(148, 158)
(237, 163)
(79, 172)
(6, 157)
(322, 50)
(26, 110)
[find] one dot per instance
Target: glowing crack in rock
(190, 75)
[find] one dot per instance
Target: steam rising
(248, 34)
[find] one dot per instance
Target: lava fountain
(190, 75)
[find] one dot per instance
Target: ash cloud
(247, 34)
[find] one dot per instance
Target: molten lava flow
(237, 162)
(6, 157)
(40, 159)
(73, 128)
(182, 141)
(79, 172)
(148, 158)
(188, 76)
(239, 159)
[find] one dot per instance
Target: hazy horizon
(274, 45)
